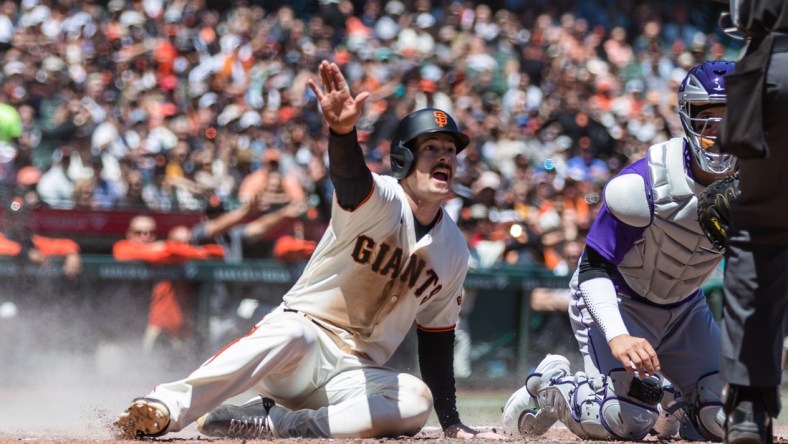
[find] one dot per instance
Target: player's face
(706, 123)
(436, 163)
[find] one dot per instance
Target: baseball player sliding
(638, 312)
(390, 256)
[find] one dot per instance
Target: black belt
(780, 43)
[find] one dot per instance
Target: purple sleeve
(612, 238)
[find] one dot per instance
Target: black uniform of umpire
(755, 128)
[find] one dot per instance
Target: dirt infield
(430, 435)
(74, 414)
(72, 399)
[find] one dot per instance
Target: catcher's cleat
(520, 402)
(248, 421)
(145, 418)
(536, 422)
(521, 414)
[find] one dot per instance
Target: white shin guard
(598, 408)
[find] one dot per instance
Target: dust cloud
(71, 358)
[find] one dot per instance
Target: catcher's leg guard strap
(580, 417)
(667, 424)
(592, 410)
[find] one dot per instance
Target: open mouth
(441, 174)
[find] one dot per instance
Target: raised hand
(340, 109)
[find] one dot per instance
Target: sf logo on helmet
(441, 119)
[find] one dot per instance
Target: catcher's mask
(423, 121)
(704, 86)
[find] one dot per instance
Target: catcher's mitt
(714, 205)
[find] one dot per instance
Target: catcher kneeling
(618, 406)
(649, 342)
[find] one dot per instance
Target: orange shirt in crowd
(291, 249)
(48, 246)
(163, 253)
(551, 258)
(166, 308)
(169, 298)
(9, 247)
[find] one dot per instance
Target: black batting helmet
(423, 121)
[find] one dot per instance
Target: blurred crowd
(174, 106)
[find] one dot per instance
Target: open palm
(340, 109)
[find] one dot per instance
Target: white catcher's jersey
(369, 278)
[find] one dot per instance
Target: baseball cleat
(522, 412)
(248, 421)
(518, 403)
(144, 418)
(535, 422)
(521, 415)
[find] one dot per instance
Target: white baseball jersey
(319, 355)
(369, 277)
